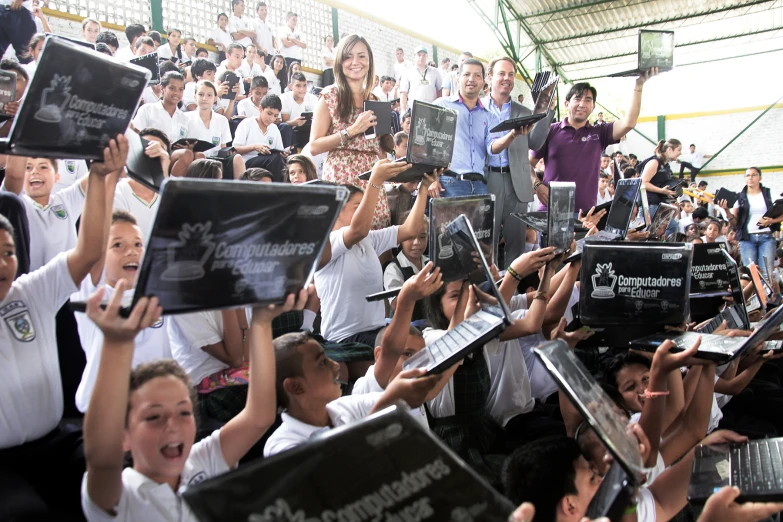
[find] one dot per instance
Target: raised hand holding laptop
(722, 507)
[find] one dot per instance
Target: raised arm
(15, 168)
(415, 219)
(100, 192)
(625, 124)
(104, 423)
(244, 430)
(526, 264)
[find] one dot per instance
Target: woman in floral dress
(339, 122)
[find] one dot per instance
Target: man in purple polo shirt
(573, 149)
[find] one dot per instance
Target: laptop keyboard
(757, 466)
(728, 315)
(713, 344)
(462, 335)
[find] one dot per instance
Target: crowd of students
(190, 397)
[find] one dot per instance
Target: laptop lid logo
(186, 258)
(54, 99)
(604, 280)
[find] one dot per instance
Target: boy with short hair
(309, 390)
(201, 69)
(295, 127)
(132, 32)
(257, 139)
(251, 107)
(143, 46)
(109, 39)
(189, 51)
(385, 90)
(234, 59)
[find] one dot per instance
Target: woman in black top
(656, 172)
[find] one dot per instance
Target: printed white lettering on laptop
(312, 210)
(671, 257)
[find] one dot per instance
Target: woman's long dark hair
(433, 310)
(282, 76)
(344, 95)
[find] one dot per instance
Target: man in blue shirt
(472, 142)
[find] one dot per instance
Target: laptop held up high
(736, 315)
(656, 49)
(544, 100)
(431, 143)
(228, 244)
(480, 211)
(140, 167)
(560, 216)
(7, 92)
(76, 102)
(397, 468)
(149, 62)
(476, 330)
(599, 412)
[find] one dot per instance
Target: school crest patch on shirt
(70, 166)
(215, 140)
(182, 131)
(21, 325)
(60, 212)
(270, 141)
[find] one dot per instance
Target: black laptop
(736, 315)
(480, 211)
(140, 167)
(656, 49)
(635, 284)
(386, 467)
(731, 197)
(225, 244)
(710, 270)
(560, 215)
(717, 348)
(660, 221)
(476, 330)
(76, 102)
(7, 92)
(543, 101)
(149, 62)
(604, 417)
(430, 144)
(383, 117)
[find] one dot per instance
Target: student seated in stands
(200, 69)
(258, 139)
(149, 411)
(207, 125)
(234, 59)
(51, 217)
(257, 174)
(205, 169)
(308, 387)
(39, 462)
(123, 253)
(299, 169)
(349, 269)
(109, 39)
(296, 128)
(165, 115)
(250, 107)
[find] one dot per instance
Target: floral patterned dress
(345, 163)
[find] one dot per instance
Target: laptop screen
(76, 102)
(656, 49)
(545, 97)
(661, 219)
(765, 328)
(220, 244)
(625, 196)
(471, 255)
(736, 286)
(635, 283)
(480, 211)
(595, 405)
(560, 219)
(432, 134)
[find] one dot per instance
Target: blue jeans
(454, 187)
(16, 28)
(756, 247)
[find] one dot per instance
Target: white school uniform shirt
(294, 51)
(150, 344)
(249, 133)
(127, 200)
(188, 334)
(31, 396)
(143, 499)
(294, 109)
(164, 51)
(248, 71)
(645, 506)
(352, 274)
(175, 126)
(149, 96)
(217, 133)
(367, 384)
(318, 160)
(264, 34)
(248, 109)
(382, 96)
(236, 24)
(189, 96)
(239, 72)
(400, 68)
(124, 54)
(345, 410)
(392, 276)
(70, 172)
(53, 227)
(221, 37)
(601, 200)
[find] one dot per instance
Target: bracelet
(538, 184)
(373, 185)
(652, 395)
(541, 296)
(630, 510)
(514, 274)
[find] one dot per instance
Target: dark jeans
(41, 479)
(291, 135)
(694, 170)
(16, 28)
(271, 162)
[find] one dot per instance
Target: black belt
(470, 176)
(503, 170)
